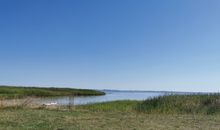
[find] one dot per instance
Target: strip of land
(10, 92)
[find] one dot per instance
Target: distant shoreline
(183, 92)
(11, 92)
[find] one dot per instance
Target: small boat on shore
(49, 104)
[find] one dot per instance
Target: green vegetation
(174, 112)
(20, 92)
(80, 119)
(114, 106)
(182, 104)
(117, 115)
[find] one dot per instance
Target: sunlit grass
(124, 105)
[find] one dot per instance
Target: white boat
(52, 103)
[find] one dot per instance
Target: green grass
(117, 115)
(34, 119)
(19, 92)
(124, 105)
(182, 104)
(174, 112)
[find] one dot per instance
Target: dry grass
(81, 119)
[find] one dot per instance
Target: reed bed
(182, 104)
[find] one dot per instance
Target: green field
(8, 92)
(153, 114)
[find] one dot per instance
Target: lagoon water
(110, 96)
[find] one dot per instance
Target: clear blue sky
(111, 44)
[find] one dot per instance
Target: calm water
(110, 96)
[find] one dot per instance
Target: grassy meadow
(190, 112)
(81, 119)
